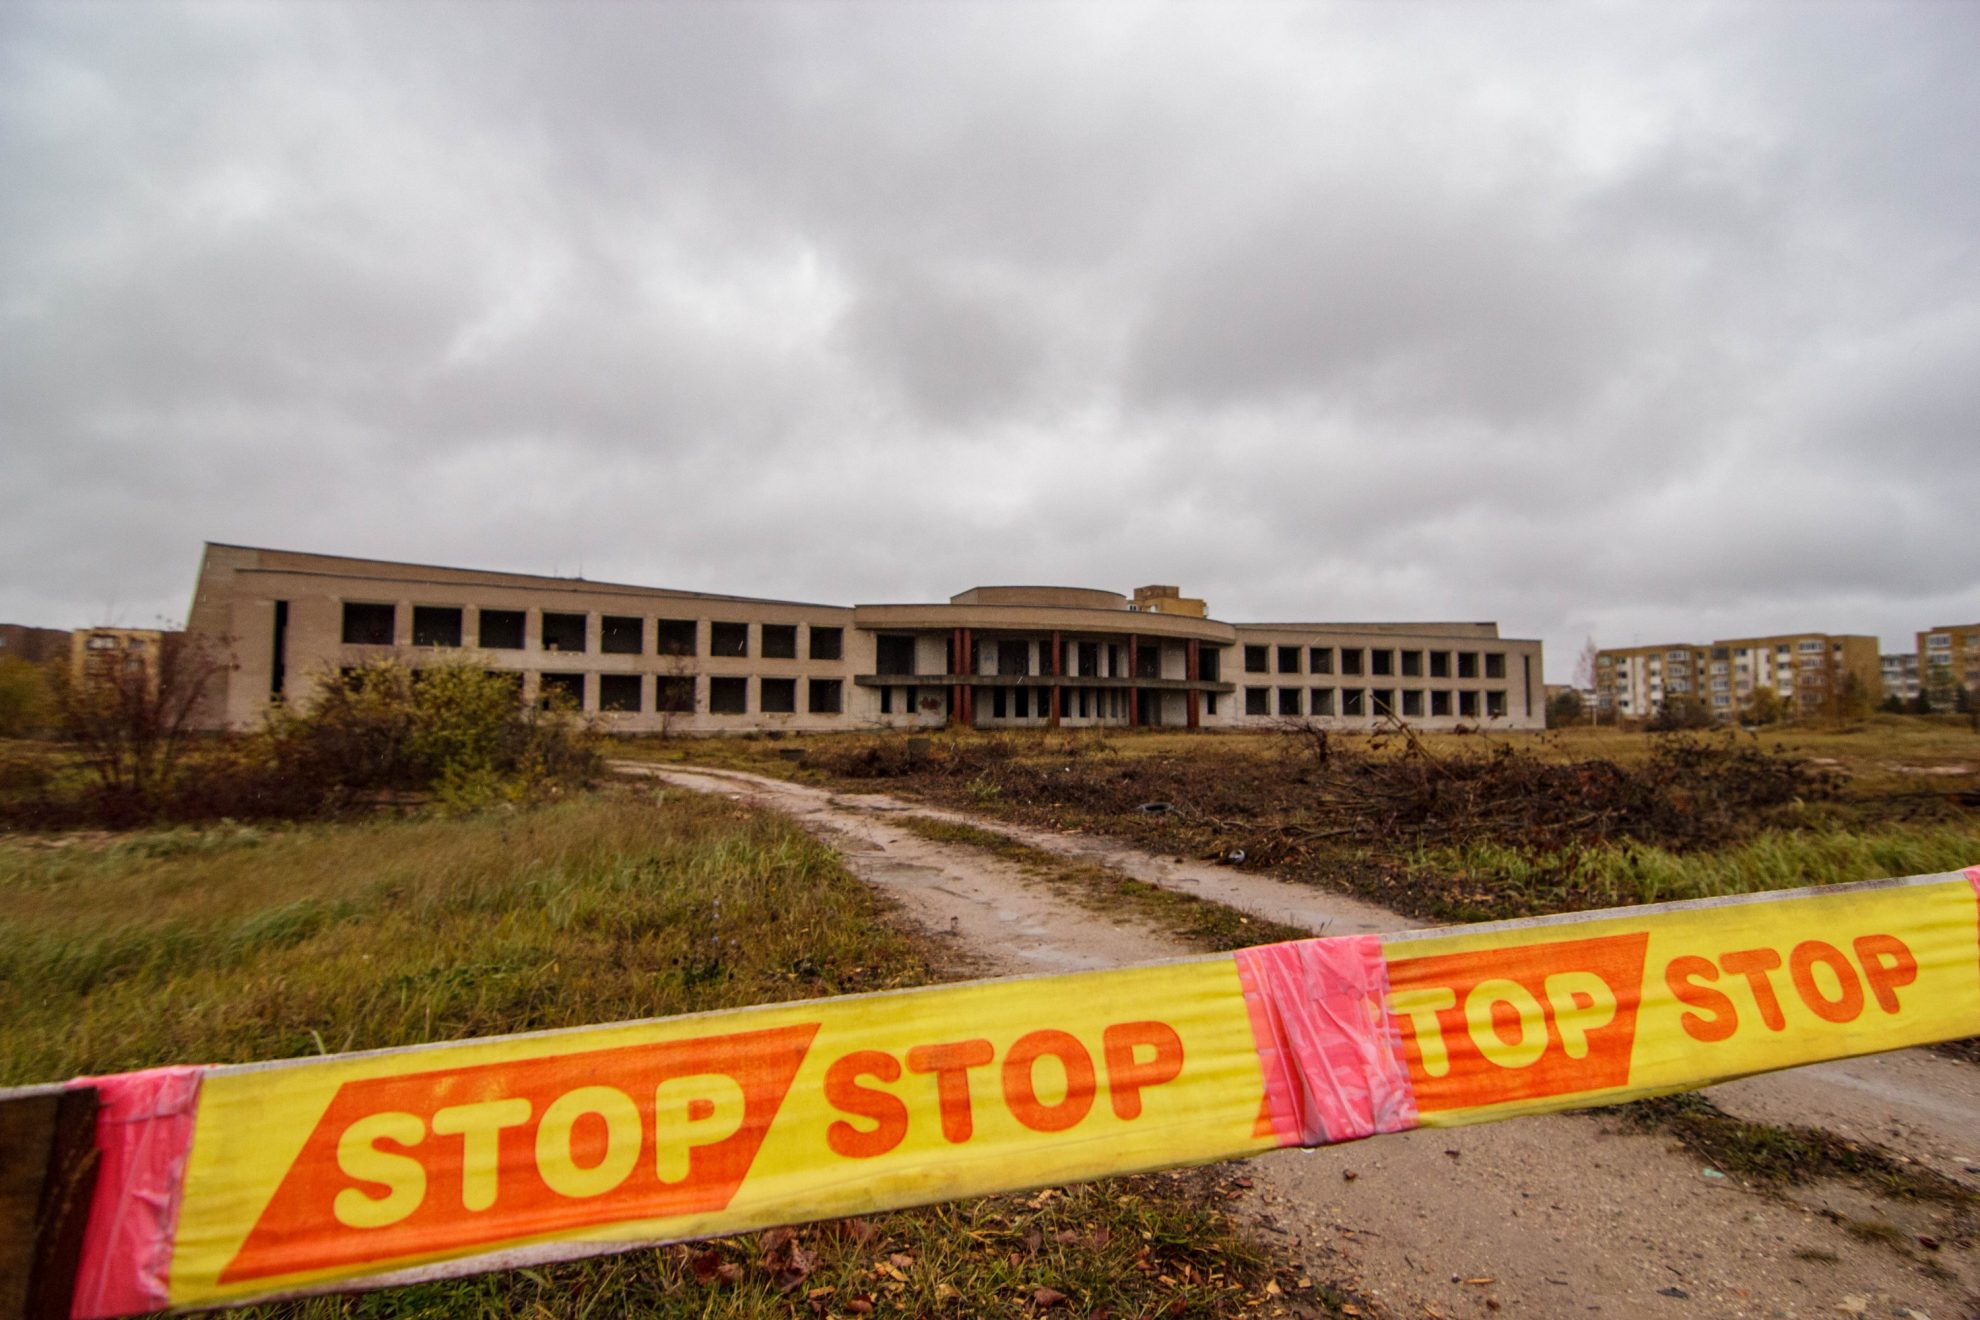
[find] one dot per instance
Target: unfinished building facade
(649, 659)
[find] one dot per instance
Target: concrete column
(1133, 672)
(1195, 697)
(1058, 671)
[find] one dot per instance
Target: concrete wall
(248, 598)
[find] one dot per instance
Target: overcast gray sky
(1640, 322)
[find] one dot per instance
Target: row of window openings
(618, 634)
(1410, 703)
(1380, 662)
(626, 693)
(895, 657)
(1076, 703)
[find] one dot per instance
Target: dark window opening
(1256, 658)
(1089, 659)
(1320, 660)
(1148, 662)
(1440, 705)
(619, 692)
(1350, 660)
(1209, 703)
(1495, 704)
(728, 638)
(1258, 701)
(370, 625)
(1013, 658)
(1495, 664)
(886, 701)
(1322, 701)
(279, 662)
(673, 694)
(893, 654)
(561, 692)
(563, 632)
(777, 696)
(1467, 705)
(1351, 701)
(1440, 664)
(1289, 659)
(997, 700)
(779, 641)
(1209, 664)
(1412, 703)
(1467, 664)
(1023, 703)
(1385, 701)
(1086, 704)
(502, 630)
(1412, 664)
(436, 625)
(677, 636)
(1382, 662)
(621, 634)
(828, 644)
(728, 696)
(825, 698)
(1288, 701)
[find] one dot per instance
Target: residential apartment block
(1805, 671)
(1948, 661)
(647, 659)
(1901, 675)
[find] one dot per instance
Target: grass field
(237, 944)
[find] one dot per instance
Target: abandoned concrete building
(648, 659)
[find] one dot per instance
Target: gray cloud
(1640, 321)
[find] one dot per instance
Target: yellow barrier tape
(367, 1169)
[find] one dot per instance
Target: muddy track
(1557, 1216)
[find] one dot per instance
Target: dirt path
(1554, 1216)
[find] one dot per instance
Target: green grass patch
(245, 945)
(1487, 881)
(1212, 927)
(236, 944)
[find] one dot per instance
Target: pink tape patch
(1325, 1042)
(144, 1131)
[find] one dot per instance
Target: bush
(452, 730)
(461, 731)
(27, 703)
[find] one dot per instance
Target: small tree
(1764, 707)
(27, 698)
(129, 711)
(1564, 709)
(1585, 670)
(1681, 712)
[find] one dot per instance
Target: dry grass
(238, 944)
(241, 944)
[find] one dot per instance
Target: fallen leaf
(1047, 1297)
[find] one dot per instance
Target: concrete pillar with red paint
(1195, 697)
